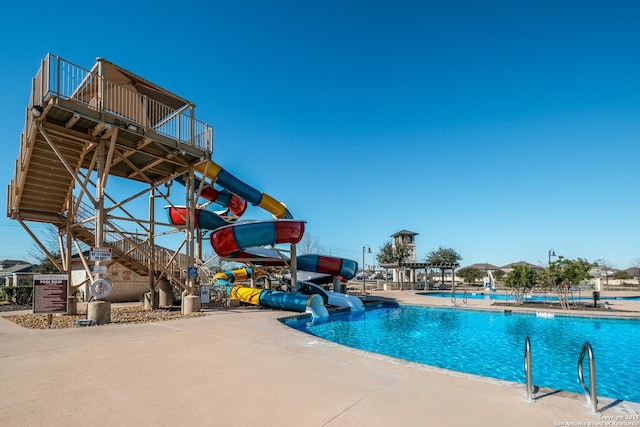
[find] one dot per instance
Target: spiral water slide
(312, 304)
(224, 179)
(224, 198)
(244, 239)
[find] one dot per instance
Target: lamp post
(364, 285)
(551, 253)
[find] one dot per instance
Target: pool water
(501, 296)
(491, 344)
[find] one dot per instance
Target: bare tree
(49, 239)
(216, 264)
(309, 244)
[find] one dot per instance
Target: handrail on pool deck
(453, 297)
(590, 392)
(592, 399)
(527, 369)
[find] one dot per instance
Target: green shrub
(21, 295)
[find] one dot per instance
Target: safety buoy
(100, 288)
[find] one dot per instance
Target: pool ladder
(527, 369)
(464, 298)
(592, 399)
(590, 391)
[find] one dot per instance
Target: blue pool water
(491, 344)
(501, 296)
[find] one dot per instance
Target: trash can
(596, 297)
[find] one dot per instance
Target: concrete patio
(243, 367)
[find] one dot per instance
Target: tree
(564, 273)
(521, 279)
(498, 275)
(385, 254)
(620, 275)
(394, 254)
(48, 236)
(443, 256)
(309, 244)
(45, 266)
(470, 274)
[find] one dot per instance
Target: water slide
(237, 240)
(229, 240)
(312, 304)
(204, 219)
(224, 198)
(226, 180)
(333, 267)
(336, 299)
(492, 281)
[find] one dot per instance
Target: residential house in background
(15, 273)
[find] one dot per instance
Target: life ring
(100, 288)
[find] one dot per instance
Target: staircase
(150, 135)
(134, 253)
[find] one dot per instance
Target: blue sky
(500, 129)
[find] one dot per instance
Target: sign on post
(99, 254)
(205, 294)
(50, 293)
(193, 272)
(99, 269)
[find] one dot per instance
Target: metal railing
(136, 249)
(527, 369)
(173, 265)
(590, 393)
(62, 79)
(454, 299)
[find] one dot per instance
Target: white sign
(100, 269)
(205, 294)
(100, 254)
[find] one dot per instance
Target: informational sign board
(50, 293)
(205, 294)
(193, 272)
(100, 254)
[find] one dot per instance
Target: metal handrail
(464, 298)
(590, 393)
(527, 369)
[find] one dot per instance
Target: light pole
(364, 285)
(551, 253)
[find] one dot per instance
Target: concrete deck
(243, 367)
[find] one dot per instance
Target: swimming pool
(501, 296)
(491, 344)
